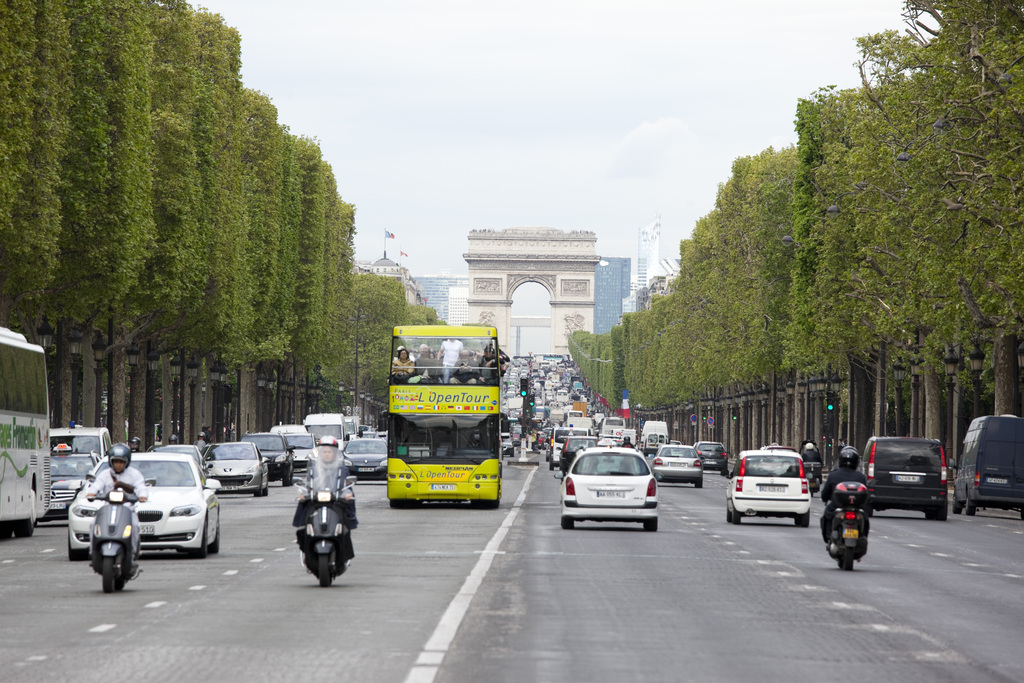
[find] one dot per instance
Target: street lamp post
(132, 354)
(193, 373)
(152, 365)
(1020, 367)
(915, 397)
(261, 382)
(75, 340)
(951, 361)
(977, 359)
(177, 407)
(99, 350)
(44, 335)
(899, 373)
(271, 385)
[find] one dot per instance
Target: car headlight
(186, 511)
(82, 511)
(348, 463)
(251, 470)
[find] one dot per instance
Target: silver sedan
(678, 463)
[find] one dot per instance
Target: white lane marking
(973, 564)
(158, 603)
(730, 543)
(743, 552)
(787, 573)
(880, 627)
(36, 658)
(231, 572)
(809, 587)
(7, 562)
(940, 555)
(258, 559)
(102, 628)
(912, 545)
(278, 550)
(441, 639)
(430, 659)
(1012, 576)
(48, 550)
(196, 588)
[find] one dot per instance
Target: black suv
(712, 456)
(280, 457)
(906, 474)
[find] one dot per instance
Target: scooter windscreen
(324, 474)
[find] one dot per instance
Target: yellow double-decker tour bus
(444, 416)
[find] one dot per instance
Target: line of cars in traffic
(183, 509)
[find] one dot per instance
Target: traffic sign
(693, 418)
(711, 422)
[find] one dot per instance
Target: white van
(653, 435)
(300, 439)
(321, 424)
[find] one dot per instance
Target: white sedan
(182, 512)
(768, 483)
(609, 485)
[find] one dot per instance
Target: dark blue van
(991, 472)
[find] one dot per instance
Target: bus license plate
(851, 533)
(147, 529)
(442, 487)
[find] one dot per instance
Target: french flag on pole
(389, 235)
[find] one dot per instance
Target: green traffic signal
(830, 406)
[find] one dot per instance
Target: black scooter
(112, 556)
(848, 540)
(328, 544)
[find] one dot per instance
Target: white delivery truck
(653, 434)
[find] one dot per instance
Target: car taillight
(743, 467)
(803, 472)
(850, 515)
(739, 483)
(697, 463)
(652, 488)
(658, 461)
(570, 488)
(871, 462)
(803, 486)
(942, 460)
(977, 478)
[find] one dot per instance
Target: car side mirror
(90, 477)
(351, 480)
(559, 475)
(151, 482)
(212, 484)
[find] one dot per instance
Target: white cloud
(650, 149)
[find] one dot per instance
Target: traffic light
(524, 386)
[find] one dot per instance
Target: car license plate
(771, 489)
(64, 506)
(147, 529)
(991, 480)
(851, 533)
(442, 487)
(611, 494)
(365, 469)
(907, 478)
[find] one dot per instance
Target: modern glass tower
(611, 286)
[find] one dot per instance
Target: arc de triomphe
(562, 262)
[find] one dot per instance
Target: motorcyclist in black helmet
(135, 443)
(849, 459)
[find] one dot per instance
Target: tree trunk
(117, 418)
(137, 400)
(862, 396)
(933, 404)
(89, 417)
(167, 394)
(1004, 366)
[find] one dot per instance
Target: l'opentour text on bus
(444, 416)
(24, 435)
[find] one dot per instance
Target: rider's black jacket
(838, 476)
(346, 509)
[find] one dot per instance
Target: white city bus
(24, 435)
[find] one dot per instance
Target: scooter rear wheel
(848, 560)
(324, 571)
(108, 574)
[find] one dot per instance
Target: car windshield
(610, 464)
(576, 444)
(78, 443)
(319, 431)
(711, 449)
(365, 446)
(448, 438)
(304, 440)
(265, 442)
(175, 449)
(70, 466)
(231, 451)
(166, 472)
(771, 466)
(678, 452)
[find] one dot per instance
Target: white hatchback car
(182, 512)
(609, 485)
(768, 483)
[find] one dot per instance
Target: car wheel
(266, 487)
(551, 465)
(25, 527)
(77, 555)
(568, 523)
(736, 516)
(650, 525)
(970, 509)
(958, 507)
(930, 514)
(941, 514)
(286, 480)
(803, 520)
(699, 484)
(214, 547)
(728, 515)
(204, 546)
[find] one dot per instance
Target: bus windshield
(445, 438)
(438, 360)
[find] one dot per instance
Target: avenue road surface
(700, 600)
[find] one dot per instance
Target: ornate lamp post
(915, 396)
(977, 359)
(152, 365)
(99, 350)
(951, 361)
(44, 335)
(177, 407)
(899, 373)
(193, 372)
(75, 348)
(271, 385)
(132, 354)
(261, 382)
(341, 393)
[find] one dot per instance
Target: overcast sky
(447, 116)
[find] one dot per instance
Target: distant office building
(458, 305)
(648, 251)
(611, 287)
(435, 291)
